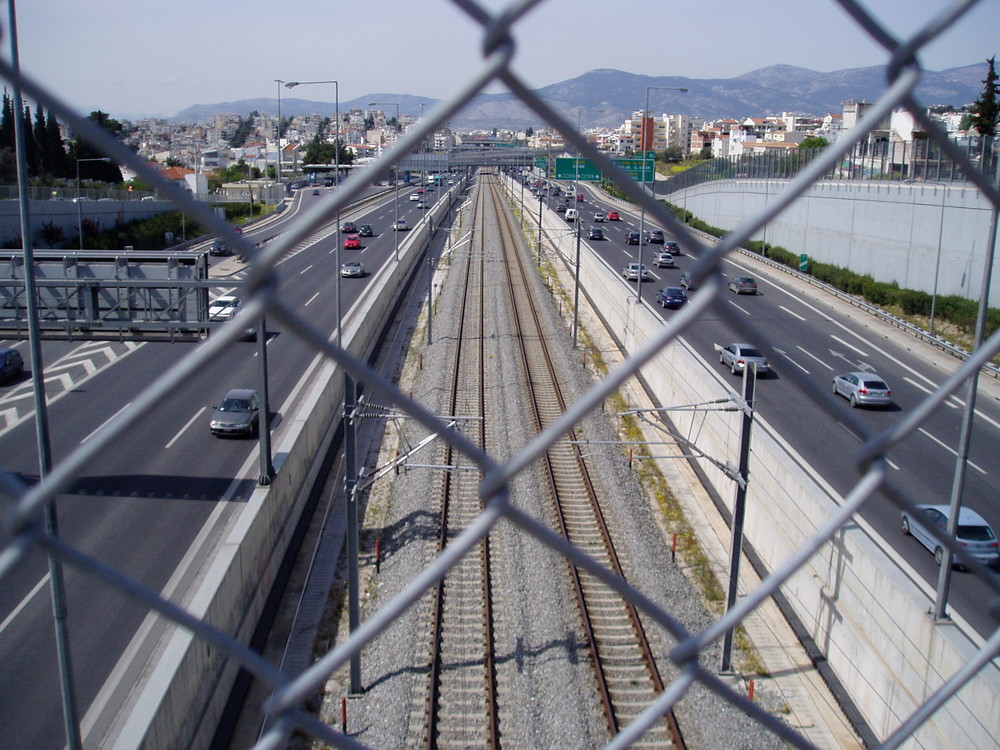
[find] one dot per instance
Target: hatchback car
(743, 285)
(737, 356)
(664, 260)
(11, 364)
(353, 269)
(972, 532)
(613, 216)
(400, 226)
(595, 233)
(236, 414)
(414, 197)
(672, 297)
(863, 389)
(672, 247)
(223, 307)
(654, 237)
(632, 238)
(598, 217)
(352, 242)
(218, 247)
(349, 227)
(365, 230)
(687, 281)
(634, 272)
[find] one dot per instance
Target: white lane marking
(849, 346)
(813, 356)
(921, 387)
(306, 270)
(184, 429)
(23, 603)
(309, 301)
(741, 309)
(105, 422)
(948, 448)
(793, 314)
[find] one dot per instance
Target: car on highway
(613, 216)
(223, 307)
(218, 247)
(671, 296)
(634, 272)
(423, 204)
(571, 214)
(400, 225)
(654, 237)
(598, 217)
(743, 285)
(579, 197)
(11, 364)
(595, 233)
(315, 192)
(687, 281)
(863, 389)
(973, 533)
(365, 230)
(349, 227)
(737, 356)
(236, 414)
(664, 260)
(632, 238)
(352, 242)
(414, 196)
(672, 247)
(353, 269)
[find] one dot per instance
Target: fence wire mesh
(25, 533)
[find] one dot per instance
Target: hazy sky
(132, 58)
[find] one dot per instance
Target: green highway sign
(635, 168)
(577, 169)
(542, 163)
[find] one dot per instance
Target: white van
(571, 214)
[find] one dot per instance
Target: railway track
(463, 701)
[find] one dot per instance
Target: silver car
(736, 356)
(353, 269)
(236, 414)
(863, 389)
(634, 272)
(972, 531)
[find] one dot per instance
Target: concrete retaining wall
(181, 701)
(858, 600)
(923, 236)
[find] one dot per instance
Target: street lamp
(278, 138)
(79, 208)
(645, 152)
(396, 171)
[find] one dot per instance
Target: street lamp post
(350, 469)
(278, 137)
(79, 208)
(645, 152)
(396, 175)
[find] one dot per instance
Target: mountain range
(605, 97)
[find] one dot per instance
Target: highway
(152, 508)
(824, 339)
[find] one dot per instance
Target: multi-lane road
(823, 338)
(152, 507)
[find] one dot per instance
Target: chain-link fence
(25, 531)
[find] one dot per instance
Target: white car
(665, 260)
(972, 531)
(353, 269)
(223, 307)
(414, 197)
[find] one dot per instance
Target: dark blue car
(671, 296)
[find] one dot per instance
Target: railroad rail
(462, 702)
(627, 676)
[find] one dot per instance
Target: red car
(579, 197)
(613, 216)
(352, 242)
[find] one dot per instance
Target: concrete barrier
(862, 605)
(180, 700)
